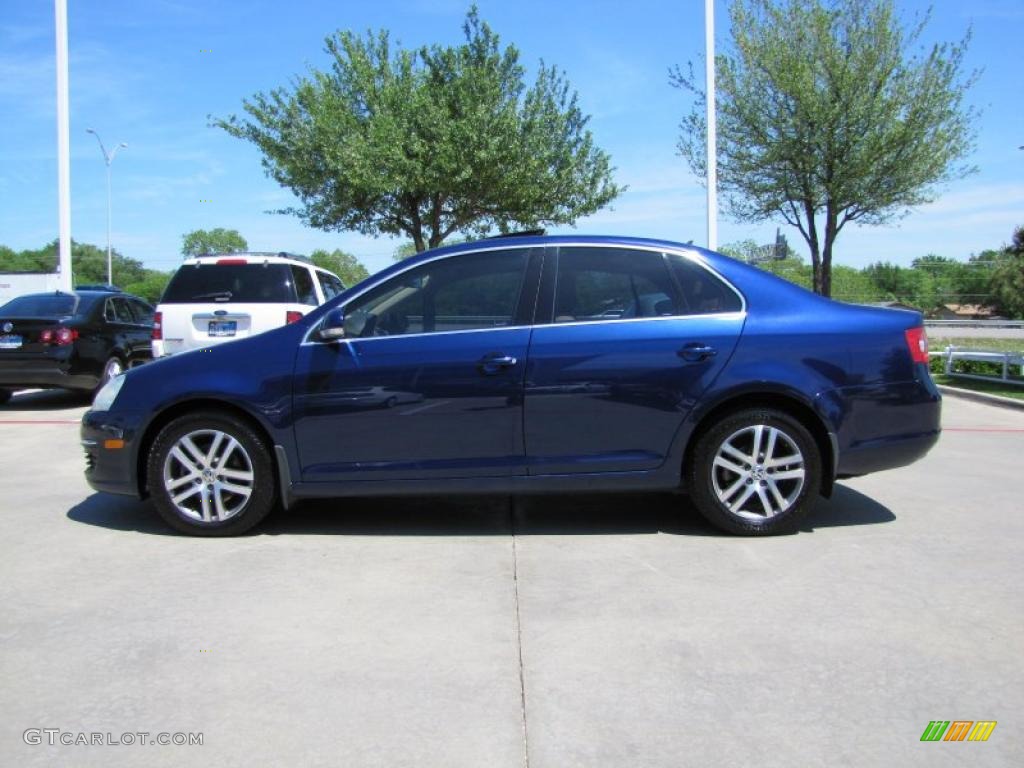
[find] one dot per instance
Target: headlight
(108, 394)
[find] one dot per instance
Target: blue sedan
(530, 365)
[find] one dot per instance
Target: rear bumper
(885, 453)
(42, 372)
(110, 469)
(884, 426)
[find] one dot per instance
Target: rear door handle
(495, 363)
(696, 352)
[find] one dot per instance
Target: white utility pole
(63, 147)
(712, 180)
(108, 158)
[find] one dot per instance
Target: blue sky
(140, 74)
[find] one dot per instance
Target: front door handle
(696, 352)
(495, 363)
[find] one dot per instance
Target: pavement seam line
(519, 631)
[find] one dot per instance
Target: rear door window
(249, 283)
(304, 289)
(116, 310)
(601, 284)
(330, 285)
(141, 312)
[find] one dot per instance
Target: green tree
(150, 287)
(217, 240)
(828, 114)
(88, 263)
(344, 265)
(428, 142)
(1007, 283)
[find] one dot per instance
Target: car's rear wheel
(211, 475)
(756, 472)
(112, 368)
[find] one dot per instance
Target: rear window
(42, 305)
(249, 283)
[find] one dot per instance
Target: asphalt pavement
(497, 631)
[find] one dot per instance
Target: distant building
(893, 305)
(964, 312)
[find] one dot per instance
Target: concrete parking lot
(579, 631)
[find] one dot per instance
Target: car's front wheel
(211, 475)
(756, 472)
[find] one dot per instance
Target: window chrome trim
(681, 251)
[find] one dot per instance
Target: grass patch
(988, 387)
(939, 343)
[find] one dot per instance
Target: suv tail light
(292, 317)
(158, 326)
(917, 342)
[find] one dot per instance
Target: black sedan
(75, 341)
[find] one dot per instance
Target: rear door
(627, 340)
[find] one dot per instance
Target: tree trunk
(811, 236)
(831, 230)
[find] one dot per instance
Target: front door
(430, 383)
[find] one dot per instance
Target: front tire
(211, 475)
(755, 473)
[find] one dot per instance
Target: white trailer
(19, 283)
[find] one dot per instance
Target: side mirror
(333, 328)
(337, 325)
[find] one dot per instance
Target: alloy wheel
(758, 472)
(208, 475)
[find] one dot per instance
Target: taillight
(46, 336)
(63, 336)
(232, 261)
(292, 317)
(917, 342)
(158, 325)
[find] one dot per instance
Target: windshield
(224, 283)
(41, 305)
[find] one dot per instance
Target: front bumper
(110, 440)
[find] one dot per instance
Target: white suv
(217, 298)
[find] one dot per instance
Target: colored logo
(958, 730)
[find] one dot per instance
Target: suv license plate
(223, 327)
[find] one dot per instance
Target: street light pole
(108, 158)
(712, 161)
(63, 146)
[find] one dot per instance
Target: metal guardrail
(1006, 359)
(975, 323)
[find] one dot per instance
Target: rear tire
(113, 367)
(211, 474)
(755, 473)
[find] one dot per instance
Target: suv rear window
(249, 283)
(41, 305)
